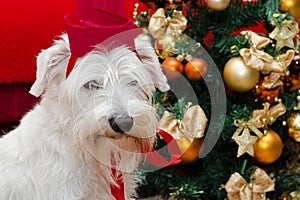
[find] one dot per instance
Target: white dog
(64, 147)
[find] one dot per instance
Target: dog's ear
(147, 54)
(51, 63)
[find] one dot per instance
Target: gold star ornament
(245, 142)
(284, 34)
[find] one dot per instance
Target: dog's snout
(120, 123)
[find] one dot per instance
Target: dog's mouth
(114, 135)
(128, 142)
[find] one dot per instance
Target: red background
(27, 27)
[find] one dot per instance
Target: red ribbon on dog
(117, 191)
(153, 158)
(71, 64)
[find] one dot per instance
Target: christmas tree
(255, 46)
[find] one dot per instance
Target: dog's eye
(92, 85)
(133, 83)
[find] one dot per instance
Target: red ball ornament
(172, 68)
(196, 69)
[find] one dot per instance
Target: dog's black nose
(120, 123)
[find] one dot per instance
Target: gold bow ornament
(257, 59)
(237, 187)
(160, 25)
(166, 31)
(257, 41)
(281, 62)
(190, 127)
(295, 195)
(254, 57)
(267, 115)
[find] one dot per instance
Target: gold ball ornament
(189, 150)
(238, 76)
(218, 5)
(196, 69)
(293, 123)
(291, 6)
(268, 148)
(172, 68)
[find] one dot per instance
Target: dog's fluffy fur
(63, 148)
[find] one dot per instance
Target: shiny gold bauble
(291, 6)
(196, 69)
(218, 5)
(172, 68)
(268, 148)
(238, 76)
(294, 126)
(189, 150)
